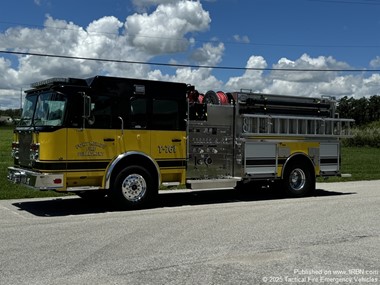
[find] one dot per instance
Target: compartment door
(329, 158)
(260, 159)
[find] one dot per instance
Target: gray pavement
(214, 237)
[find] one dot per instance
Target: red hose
(223, 99)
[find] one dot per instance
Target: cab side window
(138, 113)
(101, 112)
(166, 114)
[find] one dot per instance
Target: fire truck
(125, 138)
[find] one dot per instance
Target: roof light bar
(50, 81)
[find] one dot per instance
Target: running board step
(212, 183)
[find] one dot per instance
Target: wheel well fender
(128, 159)
(299, 158)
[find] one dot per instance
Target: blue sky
(307, 34)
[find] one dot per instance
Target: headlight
(34, 151)
(15, 150)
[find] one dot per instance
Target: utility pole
(20, 101)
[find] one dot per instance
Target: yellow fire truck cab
(125, 138)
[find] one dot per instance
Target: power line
(186, 65)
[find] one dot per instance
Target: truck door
(91, 142)
(168, 138)
(136, 133)
(95, 137)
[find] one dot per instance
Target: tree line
(363, 110)
(13, 113)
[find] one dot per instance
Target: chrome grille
(25, 139)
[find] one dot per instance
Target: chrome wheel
(134, 187)
(297, 179)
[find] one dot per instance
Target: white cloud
(202, 79)
(310, 83)
(208, 54)
(241, 39)
(139, 38)
(8, 74)
(171, 27)
(164, 30)
(251, 79)
(375, 63)
(304, 83)
(10, 98)
(308, 63)
(368, 86)
(148, 3)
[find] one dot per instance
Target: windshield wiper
(22, 120)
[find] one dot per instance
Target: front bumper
(36, 180)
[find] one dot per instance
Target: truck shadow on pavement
(73, 205)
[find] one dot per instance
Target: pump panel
(211, 151)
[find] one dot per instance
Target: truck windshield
(44, 109)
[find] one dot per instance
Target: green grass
(362, 162)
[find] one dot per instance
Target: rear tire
(133, 188)
(298, 180)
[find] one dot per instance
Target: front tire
(298, 180)
(133, 188)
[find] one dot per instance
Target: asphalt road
(215, 237)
